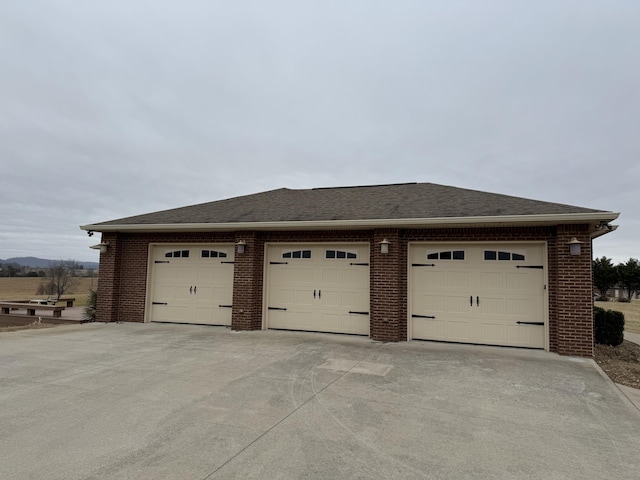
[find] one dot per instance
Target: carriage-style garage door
(321, 288)
(478, 293)
(191, 284)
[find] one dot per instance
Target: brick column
(109, 280)
(386, 292)
(574, 299)
(247, 283)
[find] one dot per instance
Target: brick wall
(247, 283)
(574, 294)
(123, 276)
(388, 324)
(109, 280)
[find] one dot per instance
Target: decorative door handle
(477, 301)
(314, 294)
(195, 289)
(471, 300)
(319, 293)
(191, 290)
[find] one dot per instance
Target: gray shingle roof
(399, 201)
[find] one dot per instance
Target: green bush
(90, 307)
(608, 326)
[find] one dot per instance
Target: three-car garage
(484, 293)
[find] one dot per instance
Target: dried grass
(25, 288)
(631, 312)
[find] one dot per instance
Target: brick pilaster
(109, 280)
(247, 283)
(574, 297)
(386, 302)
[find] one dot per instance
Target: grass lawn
(25, 288)
(631, 313)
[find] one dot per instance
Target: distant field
(631, 313)
(25, 288)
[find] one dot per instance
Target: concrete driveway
(161, 401)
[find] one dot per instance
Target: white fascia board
(556, 219)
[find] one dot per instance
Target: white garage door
(487, 294)
(192, 284)
(321, 288)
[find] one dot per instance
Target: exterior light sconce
(384, 246)
(241, 244)
(102, 246)
(575, 246)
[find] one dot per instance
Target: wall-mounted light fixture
(384, 246)
(241, 244)
(575, 246)
(102, 246)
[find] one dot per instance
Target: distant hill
(34, 262)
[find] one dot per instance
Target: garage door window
(446, 255)
(331, 254)
(213, 254)
(177, 254)
(506, 256)
(297, 254)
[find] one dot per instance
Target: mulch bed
(621, 363)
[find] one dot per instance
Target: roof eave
(592, 218)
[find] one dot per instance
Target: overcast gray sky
(111, 109)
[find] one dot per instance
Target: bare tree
(61, 278)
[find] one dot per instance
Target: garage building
(399, 262)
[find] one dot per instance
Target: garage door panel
(524, 335)
(430, 303)
(332, 276)
(481, 298)
(301, 275)
(162, 313)
(491, 306)
(353, 300)
(164, 293)
(182, 292)
(183, 275)
(340, 322)
(193, 284)
(339, 287)
(205, 275)
(163, 274)
(222, 295)
(204, 314)
(204, 294)
(429, 279)
(457, 304)
(457, 331)
(457, 280)
(182, 313)
(331, 298)
(521, 308)
(432, 329)
(355, 275)
(291, 320)
(526, 282)
(491, 281)
(493, 333)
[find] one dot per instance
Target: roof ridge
(366, 186)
